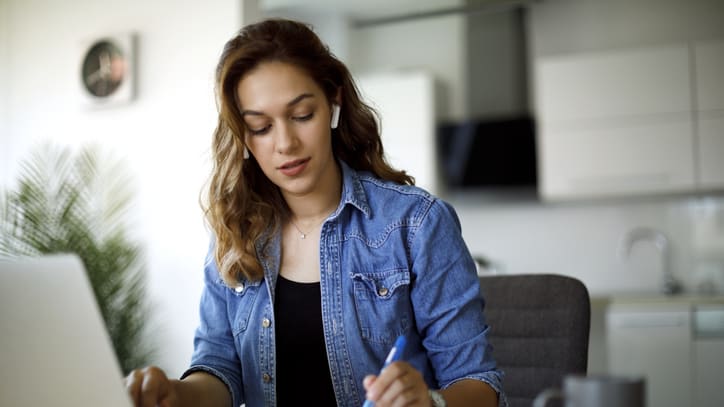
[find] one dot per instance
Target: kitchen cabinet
(708, 354)
(653, 341)
(709, 359)
(711, 149)
(607, 160)
(631, 122)
(617, 84)
(405, 102)
(709, 69)
(676, 343)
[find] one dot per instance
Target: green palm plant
(68, 202)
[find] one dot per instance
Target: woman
(323, 254)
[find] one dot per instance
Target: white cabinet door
(653, 341)
(405, 102)
(709, 68)
(615, 123)
(614, 84)
(709, 65)
(711, 150)
(709, 362)
(611, 159)
(708, 356)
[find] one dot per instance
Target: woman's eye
(259, 131)
(303, 118)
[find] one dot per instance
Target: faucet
(670, 284)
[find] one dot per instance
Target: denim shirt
(392, 261)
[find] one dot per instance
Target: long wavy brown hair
(243, 207)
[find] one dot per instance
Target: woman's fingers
(399, 384)
(134, 380)
(148, 387)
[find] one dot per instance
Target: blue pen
(395, 354)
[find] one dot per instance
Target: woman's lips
(293, 168)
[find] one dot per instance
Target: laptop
(54, 347)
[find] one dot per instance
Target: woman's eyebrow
(299, 99)
(291, 103)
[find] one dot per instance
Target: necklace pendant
(303, 236)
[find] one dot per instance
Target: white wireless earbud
(246, 153)
(335, 115)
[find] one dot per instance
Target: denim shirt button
(382, 291)
(265, 322)
(266, 378)
(239, 288)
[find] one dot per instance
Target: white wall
(583, 240)
(328, 23)
(164, 134)
(4, 85)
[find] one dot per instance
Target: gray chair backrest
(539, 327)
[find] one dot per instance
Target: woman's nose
(286, 140)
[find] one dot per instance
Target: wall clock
(108, 70)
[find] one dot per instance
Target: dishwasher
(708, 354)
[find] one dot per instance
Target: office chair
(539, 327)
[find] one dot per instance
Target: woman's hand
(399, 384)
(150, 387)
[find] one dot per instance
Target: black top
(302, 367)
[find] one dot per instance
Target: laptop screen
(54, 347)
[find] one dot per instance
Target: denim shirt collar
(352, 191)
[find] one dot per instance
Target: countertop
(602, 300)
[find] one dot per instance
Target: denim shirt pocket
(382, 304)
(241, 303)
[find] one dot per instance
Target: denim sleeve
(214, 350)
(447, 302)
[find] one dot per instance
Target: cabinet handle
(628, 180)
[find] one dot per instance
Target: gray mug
(597, 391)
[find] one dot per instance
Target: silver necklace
(302, 234)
